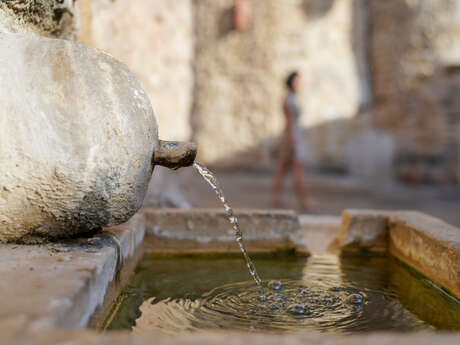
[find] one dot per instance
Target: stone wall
(396, 61)
(155, 40)
(237, 95)
(323, 39)
(240, 76)
(413, 44)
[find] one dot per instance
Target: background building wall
(389, 68)
(155, 39)
(414, 46)
(240, 77)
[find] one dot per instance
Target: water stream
(211, 179)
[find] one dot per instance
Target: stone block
(61, 285)
(209, 230)
(429, 245)
(362, 231)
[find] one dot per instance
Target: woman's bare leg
(299, 185)
(283, 168)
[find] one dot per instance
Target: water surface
(323, 293)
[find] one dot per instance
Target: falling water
(211, 179)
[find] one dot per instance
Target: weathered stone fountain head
(175, 154)
(79, 140)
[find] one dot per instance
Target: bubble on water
(240, 305)
(296, 309)
(275, 285)
(305, 291)
(274, 307)
(357, 308)
(355, 298)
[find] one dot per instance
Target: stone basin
(62, 292)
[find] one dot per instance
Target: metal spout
(174, 154)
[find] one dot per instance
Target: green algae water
(323, 293)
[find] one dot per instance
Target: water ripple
(288, 306)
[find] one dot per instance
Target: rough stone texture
(156, 42)
(429, 245)
(78, 134)
(425, 243)
(363, 231)
(52, 18)
(413, 42)
(128, 239)
(180, 231)
(237, 93)
(240, 78)
(61, 285)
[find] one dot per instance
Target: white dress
(286, 152)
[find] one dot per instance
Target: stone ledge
(429, 245)
(362, 231)
(314, 222)
(425, 243)
(60, 285)
(208, 230)
(211, 338)
(319, 231)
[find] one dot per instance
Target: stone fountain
(79, 140)
(78, 145)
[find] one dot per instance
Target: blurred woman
(291, 146)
